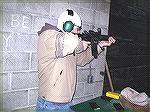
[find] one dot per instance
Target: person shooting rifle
(60, 51)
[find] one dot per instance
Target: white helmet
(68, 16)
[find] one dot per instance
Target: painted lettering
(15, 22)
(25, 21)
(18, 20)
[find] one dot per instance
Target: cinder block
(56, 8)
(33, 95)
(86, 15)
(96, 75)
(97, 18)
(108, 1)
(1, 19)
(24, 80)
(6, 35)
(98, 87)
(85, 4)
(37, 8)
(101, 13)
(93, 88)
(22, 42)
(82, 75)
(16, 22)
(29, 7)
(100, 93)
(85, 26)
(14, 100)
(4, 45)
(101, 19)
(74, 7)
(79, 90)
(26, 109)
(34, 61)
(73, 2)
(104, 30)
(94, 5)
(15, 61)
(104, 19)
(3, 42)
(39, 22)
(99, 63)
(89, 88)
(10, 6)
(5, 81)
(84, 67)
(1, 62)
(101, 5)
(33, 42)
(1, 102)
(81, 99)
(79, 3)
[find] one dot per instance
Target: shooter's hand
(86, 44)
(109, 42)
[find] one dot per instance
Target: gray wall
(21, 21)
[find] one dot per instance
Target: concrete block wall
(20, 23)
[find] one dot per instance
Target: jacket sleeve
(86, 57)
(67, 43)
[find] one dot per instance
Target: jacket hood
(47, 27)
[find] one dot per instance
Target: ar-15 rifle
(95, 37)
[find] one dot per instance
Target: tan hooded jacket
(58, 55)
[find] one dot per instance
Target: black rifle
(95, 37)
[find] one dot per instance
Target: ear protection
(68, 25)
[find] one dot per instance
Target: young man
(59, 52)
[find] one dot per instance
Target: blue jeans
(47, 106)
